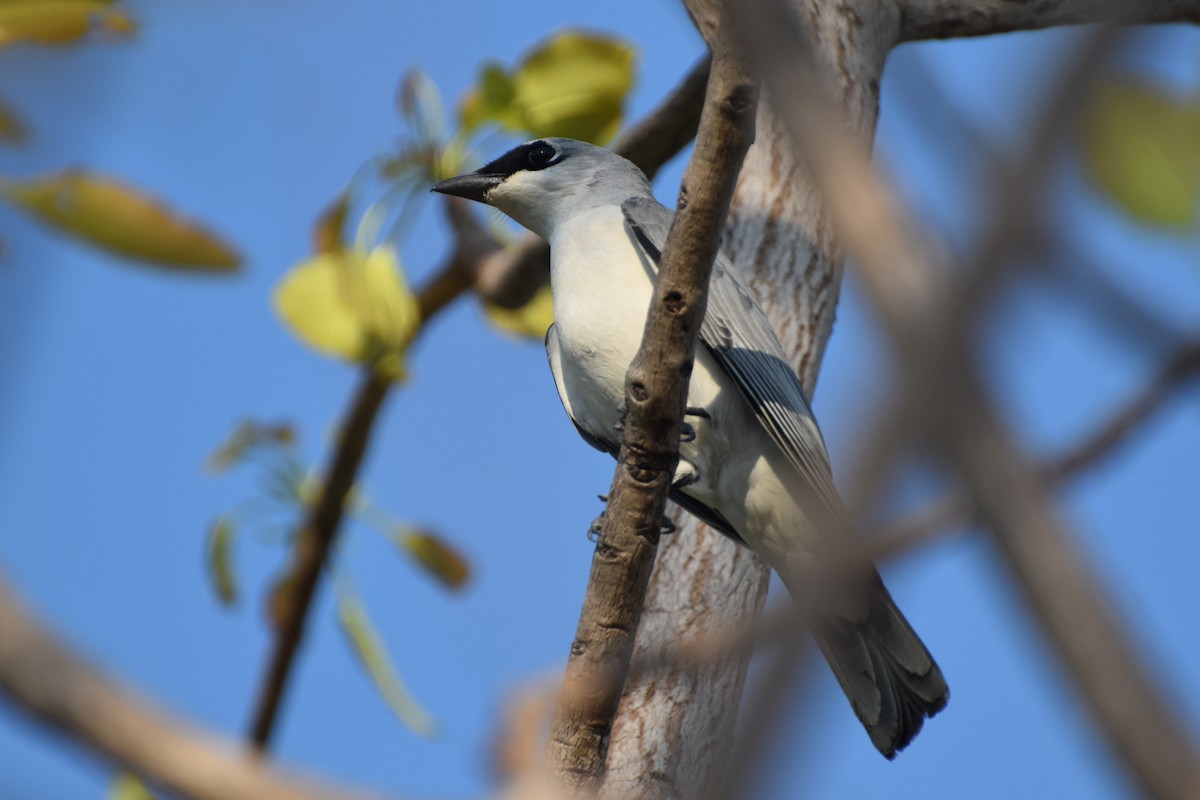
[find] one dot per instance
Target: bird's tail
(891, 680)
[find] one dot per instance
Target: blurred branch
(44, 679)
(655, 395)
(935, 518)
(907, 284)
(666, 130)
(943, 19)
(1181, 367)
(477, 261)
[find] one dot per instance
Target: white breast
(601, 290)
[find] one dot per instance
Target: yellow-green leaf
(421, 102)
(494, 98)
(572, 85)
(121, 219)
(530, 320)
(220, 561)
(59, 22)
(368, 646)
(437, 556)
(575, 85)
(1142, 147)
(352, 305)
(327, 230)
(127, 786)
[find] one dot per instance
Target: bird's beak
(472, 186)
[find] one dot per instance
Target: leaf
(247, 436)
(127, 786)
(435, 555)
(352, 305)
(327, 230)
(1142, 147)
(220, 561)
(494, 99)
(59, 22)
(530, 320)
(121, 219)
(421, 103)
(368, 647)
(572, 85)
(575, 85)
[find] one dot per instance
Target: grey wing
(739, 335)
(613, 447)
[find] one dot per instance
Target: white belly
(601, 295)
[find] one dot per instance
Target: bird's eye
(541, 155)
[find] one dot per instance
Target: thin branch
(1183, 366)
(655, 395)
(904, 279)
(48, 682)
(940, 515)
(666, 130)
(499, 275)
(312, 549)
(944, 19)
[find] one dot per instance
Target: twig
(655, 395)
(940, 515)
(312, 550)
(1183, 366)
(667, 129)
(479, 262)
(55, 686)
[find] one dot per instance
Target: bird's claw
(686, 433)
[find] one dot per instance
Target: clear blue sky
(119, 380)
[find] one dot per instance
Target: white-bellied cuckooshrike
(752, 462)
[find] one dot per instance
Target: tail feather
(891, 680)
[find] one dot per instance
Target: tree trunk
(675, 726)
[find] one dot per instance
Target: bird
(752, 461)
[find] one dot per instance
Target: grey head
(545, 181)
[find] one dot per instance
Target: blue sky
(119, 380)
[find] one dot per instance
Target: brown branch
(903, 278)
(655, 395)
(943, 19)
(45, 680)
(666, 130)
(499, 275)
(299, 585)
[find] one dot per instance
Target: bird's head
(541, 182)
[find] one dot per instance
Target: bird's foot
(685, 475)
(593, 531)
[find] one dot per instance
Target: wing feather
(738, 333)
